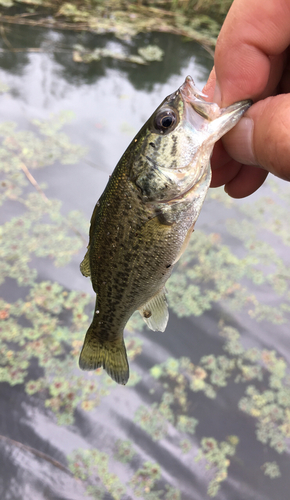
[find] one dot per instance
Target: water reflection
(177, 55)
(111, 100)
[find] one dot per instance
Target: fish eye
(165, 121)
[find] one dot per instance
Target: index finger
(253, 35)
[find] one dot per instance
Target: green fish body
(143, 221)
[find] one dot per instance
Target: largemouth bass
(142, 223)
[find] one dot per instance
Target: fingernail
(239, 142)
(217, 96)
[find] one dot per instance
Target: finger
(284, 86)
(225, 173)
(252, 34)
(209, 87)
(219, 157)
(262, 138)
(246, 182)
(277, 66)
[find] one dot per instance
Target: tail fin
(111, 355)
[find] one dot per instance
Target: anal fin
(155, 312)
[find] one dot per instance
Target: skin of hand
(252, 61)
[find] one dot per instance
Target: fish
(143, 221)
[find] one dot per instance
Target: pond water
(207, 409)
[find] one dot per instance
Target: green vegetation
(145, 55)
(216, 455)
(198, 20)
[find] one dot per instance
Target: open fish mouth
(189, 90)
(194, 97)
(208, 110)
(208, 117)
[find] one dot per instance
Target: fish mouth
(189, 90)
(207, 117)
(195, 98)
(209, 110)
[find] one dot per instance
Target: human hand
(252, 61)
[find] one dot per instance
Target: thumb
(262, 137)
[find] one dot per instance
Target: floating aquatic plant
(125, 451)
(217, 457)
(92, 467)
(271, 469)
(146, 54)
(151, 53)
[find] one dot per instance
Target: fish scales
(143, 221)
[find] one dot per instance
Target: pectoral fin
(85, 265)
(155, 312)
